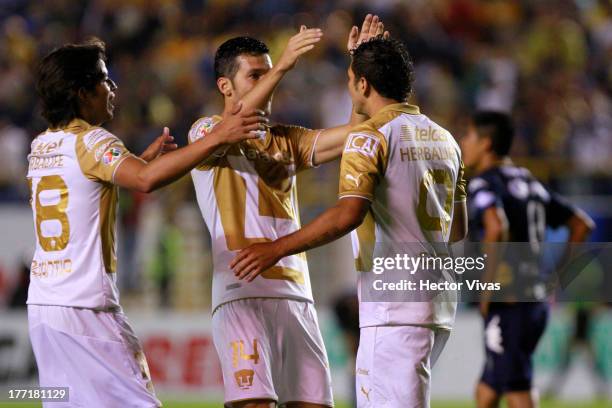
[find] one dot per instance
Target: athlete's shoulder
(513, 171)
(489, 180)
(287, 132)
(99, 152)
(95, 137)
(478, 183)
(284, 129)
(202, 127)
(370, 127)
(97, 143)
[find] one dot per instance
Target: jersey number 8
(51, 212)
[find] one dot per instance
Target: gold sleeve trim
(121, 160)
(357, 194)
(311, 162)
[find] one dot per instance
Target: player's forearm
(331, 141)
(459, 226)
(580, 227)
(257, 97)
(327, 227)
(171, 166)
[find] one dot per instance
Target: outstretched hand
(298, 45)
(372, 27)
(162, 144)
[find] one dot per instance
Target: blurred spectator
(548, 62)
(14, 147)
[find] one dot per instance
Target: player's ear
(225, 86)
(486, 143)
(363, 86)
(83, 97)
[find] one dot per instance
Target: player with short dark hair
(386, 65)
(395, 188)
(227, 62)
(80, 336)
(506, 203)
(265, 332)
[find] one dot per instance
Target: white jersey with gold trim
(247, 194)
(74, 205)
(410, 168)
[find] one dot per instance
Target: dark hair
(498, 127)
(62, 73)
(225, 57)
(386, 65)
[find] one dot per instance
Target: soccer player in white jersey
(401, 181)
(266, 332)
(79, 334)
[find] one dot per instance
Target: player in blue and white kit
(507, 203)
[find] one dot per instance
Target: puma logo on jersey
(366, 393)
(244, 378)
(355, 179)
(362, 143)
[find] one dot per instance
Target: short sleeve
(303, 141)
(482, 196)
(460, 193)
(199, 130)
(363, 164)
(100, 153)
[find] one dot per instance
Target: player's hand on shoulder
(298, 45)
(239, 125)
(164, 143)
(255, 259)
(371, 27)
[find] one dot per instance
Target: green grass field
(173, 404)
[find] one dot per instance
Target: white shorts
(95, 354)
(272, 349)
(393, 368)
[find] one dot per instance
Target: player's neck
(228, 106)
(488, 162)
(377, 103)
(227, 109)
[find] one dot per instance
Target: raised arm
(136, 174)
(298, 45)
(331, 141)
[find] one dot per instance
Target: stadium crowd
(546, 61)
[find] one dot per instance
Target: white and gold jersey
(74, 204)
(410, 169)
(247, 194)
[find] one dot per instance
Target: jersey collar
(401, 107)
(75, 124)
